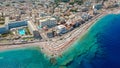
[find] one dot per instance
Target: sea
(98, 48)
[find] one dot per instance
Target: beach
(77, 49)
(55, 49)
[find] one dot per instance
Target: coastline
(83, 32)
(56, 51)
(84, 29)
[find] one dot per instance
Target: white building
(33, 30)
(69, 22)
(6, 20)
(47, 21)
(31, 27)
(61, 29)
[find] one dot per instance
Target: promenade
(55, 48)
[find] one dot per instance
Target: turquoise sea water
(98, 48)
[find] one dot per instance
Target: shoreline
(92, 23)
(57, 50)
(82, 33)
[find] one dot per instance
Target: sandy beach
(53, 48)
(56, 48)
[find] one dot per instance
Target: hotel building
(33, 30)
(48, 21)
(17, 24)
(8, 26)
(31, 27)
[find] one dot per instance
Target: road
(55, 48)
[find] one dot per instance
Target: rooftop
(32, 25)
(60, 26)
(46, 18)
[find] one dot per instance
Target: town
(30, 21)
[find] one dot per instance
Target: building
(69, 22)
(8, 26)
(76, 24)
(17, 24)
(31, 27)
(61, 29)
(65, 0)
(97, 6)
(6, 20)
(84, 9)
(48, 21)
(3, 29)
(85, 16)
(37, 35)
(51, 34)
(33, 30)
(87, 3)
(71, 0)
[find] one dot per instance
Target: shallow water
(22, 58)
(98, 48)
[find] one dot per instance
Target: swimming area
(98, 48)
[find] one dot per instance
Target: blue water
(104, 41)
(109, 38)
(30, 57)
(21, 31)
(98, 48)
